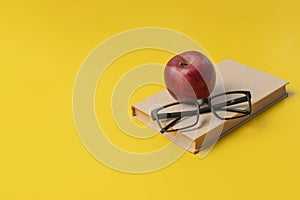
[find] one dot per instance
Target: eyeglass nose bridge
(202, 101)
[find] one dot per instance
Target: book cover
(265, 89)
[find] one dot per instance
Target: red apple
(190, 75)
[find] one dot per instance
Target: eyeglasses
(185, 115)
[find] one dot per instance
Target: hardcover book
(265, 90)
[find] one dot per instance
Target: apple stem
(183, 64)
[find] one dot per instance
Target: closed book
(266, 90)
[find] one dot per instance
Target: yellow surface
(42, 46)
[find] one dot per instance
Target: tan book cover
(265, 89)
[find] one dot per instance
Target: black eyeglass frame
(198, 103)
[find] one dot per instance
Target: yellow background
(42, 45)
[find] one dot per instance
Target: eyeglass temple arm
(234, 110)
(170, 125)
